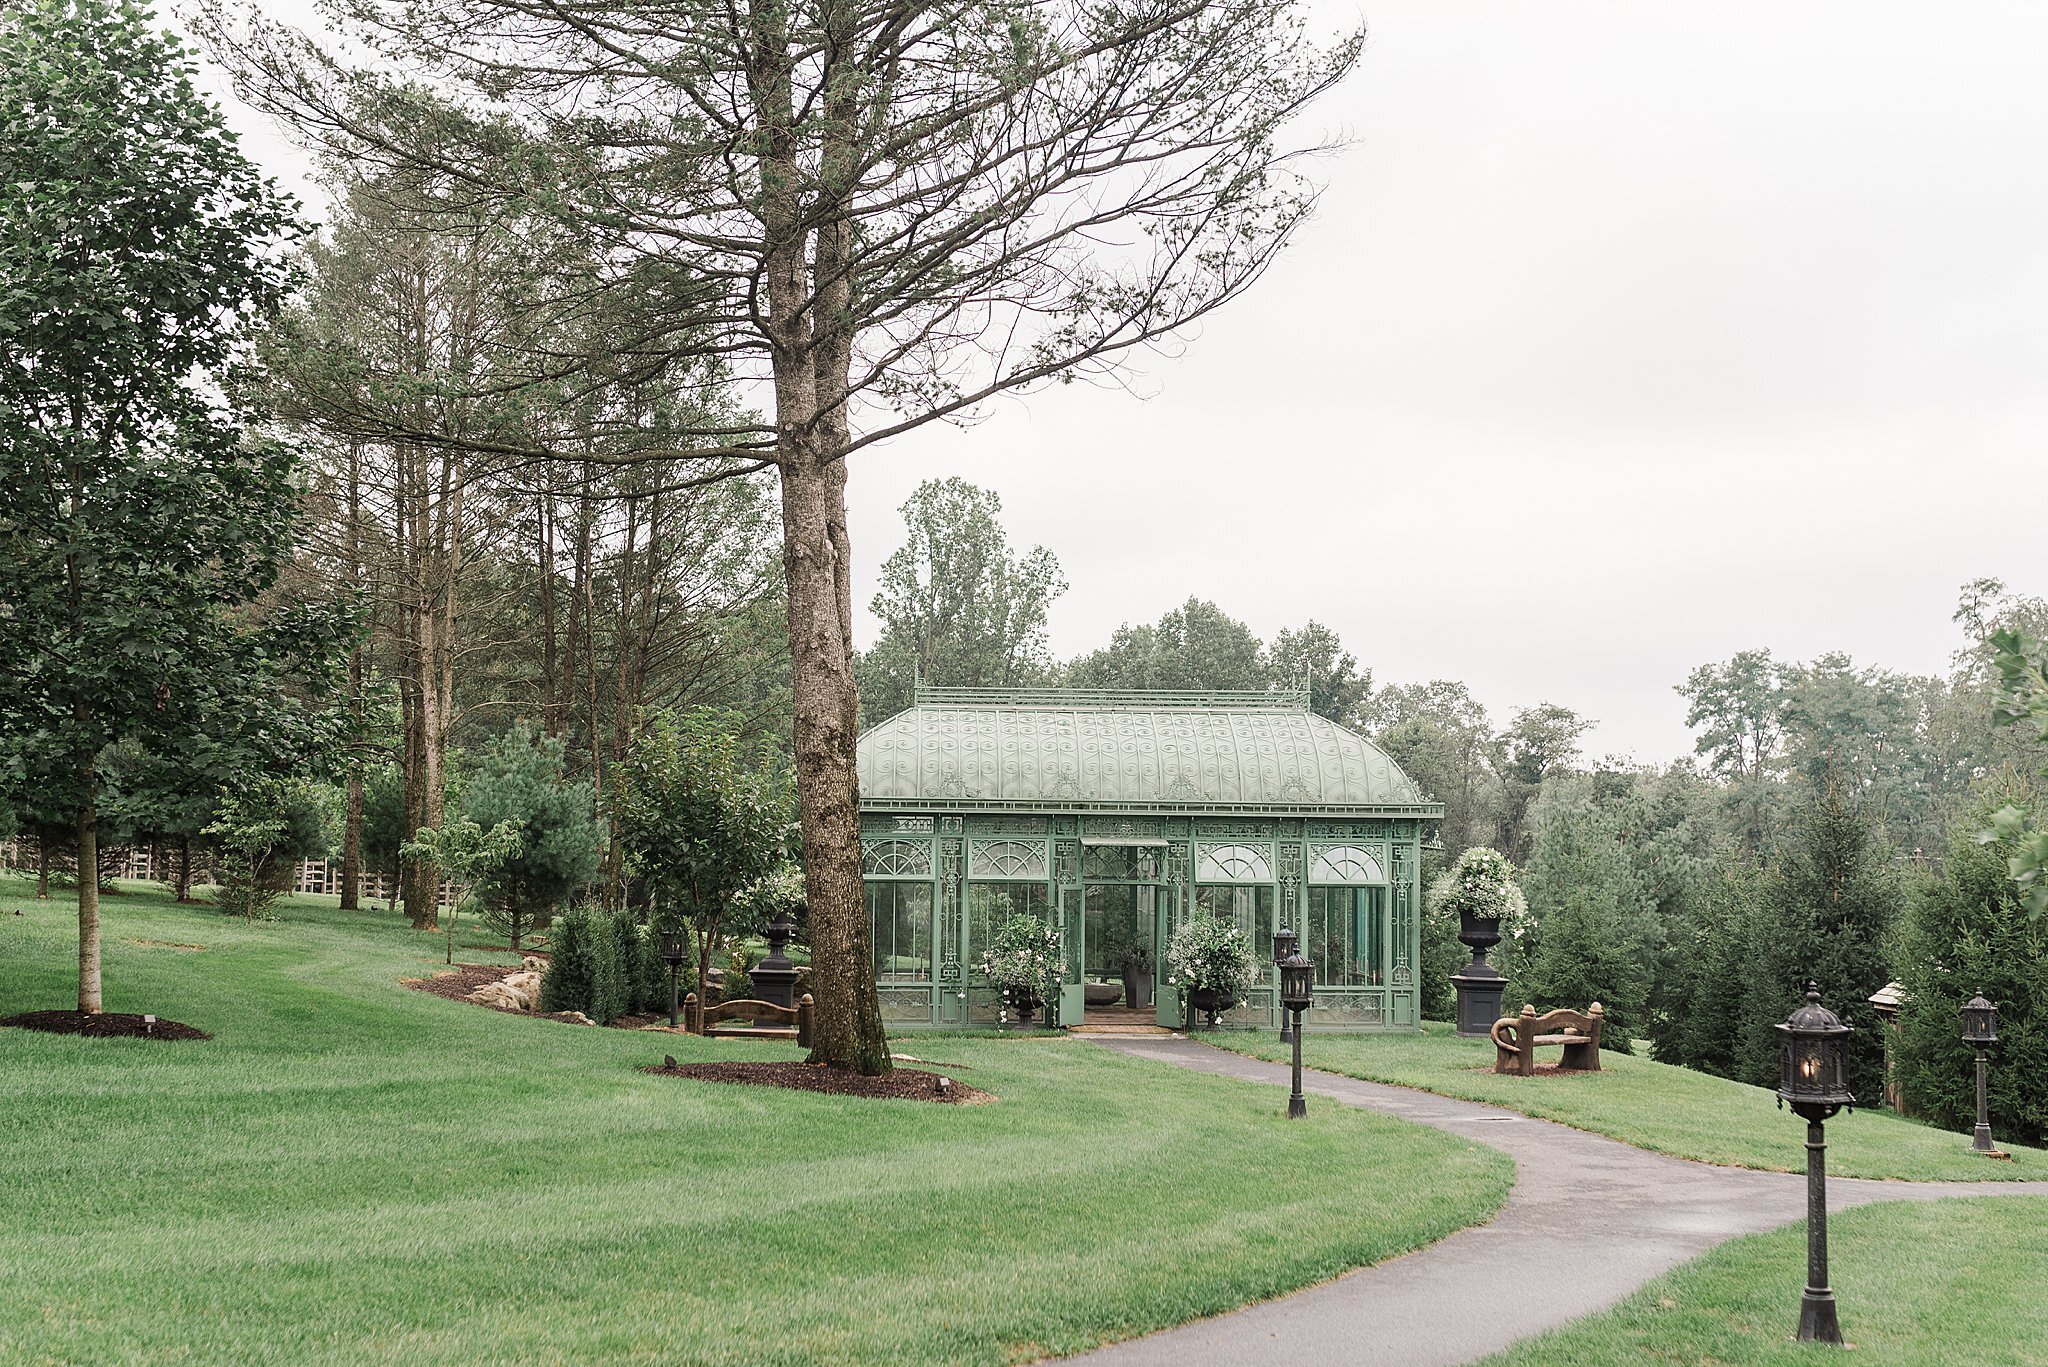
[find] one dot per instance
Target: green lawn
(1653, 1106)
(353, 1172)
(1916, 1285)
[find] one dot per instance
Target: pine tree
(1831, 905)
(1596, 927)
(1968, 932)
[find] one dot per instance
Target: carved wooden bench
(1515, 1039)
(704, 1020)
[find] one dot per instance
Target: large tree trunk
(88, 903)
(352, 847)
(352, 818)
(847, 1030)
(809, 329)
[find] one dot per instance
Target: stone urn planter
(1208, 1004)
(1136, 967)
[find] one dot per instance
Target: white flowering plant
(1212, 954)
(1024, 962)
(1481, 885)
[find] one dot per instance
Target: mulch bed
(902, 1084)
(104, 1025)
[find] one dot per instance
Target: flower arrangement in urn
(1480, 889)
(1211, 962)
(1024, 964)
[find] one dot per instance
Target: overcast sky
(1628, 336)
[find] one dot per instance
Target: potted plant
(1480, 890)
(1136, 966)
(1024, 964)
(1211, 962)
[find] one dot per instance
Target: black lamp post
(674, 949)
(1980, 1032)
(1284, 943)
(1812, 1078)
(1297, 990)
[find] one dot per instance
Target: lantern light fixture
(1813, 1079)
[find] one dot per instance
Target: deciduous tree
(138, 520)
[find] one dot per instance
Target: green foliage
(140, 517)
(703, 816)
(604, 963)
(1596, 931)
(1705, 994)
(246, 830)
(611, 978)
(649, 973)
(572, 969)
(1337, 687)
(1481, 883)
(955, 603)
(1965, 932)
(1195, 646)
(1211, 953)
(2022, 698)
(1024, 963)
(1833, 901)
(137, 518)
(465, 853)
(383, 829)
(519, 780)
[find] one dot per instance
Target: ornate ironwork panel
(1179, 862)
(1404, 926)
(1219, 831)
(1010, 827)
(1349, 1008)
(1066, 862)
(896, 858)
(1123, 827)
(1122, 863)
(951, 969)
(911, 1004)
(1023, 859)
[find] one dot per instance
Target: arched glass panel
(1235, 864)
(1346, 864)
(1007, 859)
(896, 859)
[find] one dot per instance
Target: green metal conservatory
(1120, 815)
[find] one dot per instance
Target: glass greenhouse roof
(1076, 749)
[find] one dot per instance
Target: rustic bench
(1515, 1039)
(704, 1020)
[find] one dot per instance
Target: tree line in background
(1830, 824)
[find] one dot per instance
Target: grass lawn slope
(1917, 1285)
(1654, 1106)
(353, 1172)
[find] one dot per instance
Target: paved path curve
(1616, 1214)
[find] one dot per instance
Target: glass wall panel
(1251, 906)
(900, 923)
(990, 904)
(1346, 936)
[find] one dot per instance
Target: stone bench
(1516, 1039)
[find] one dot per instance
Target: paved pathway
(1616, 1214)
